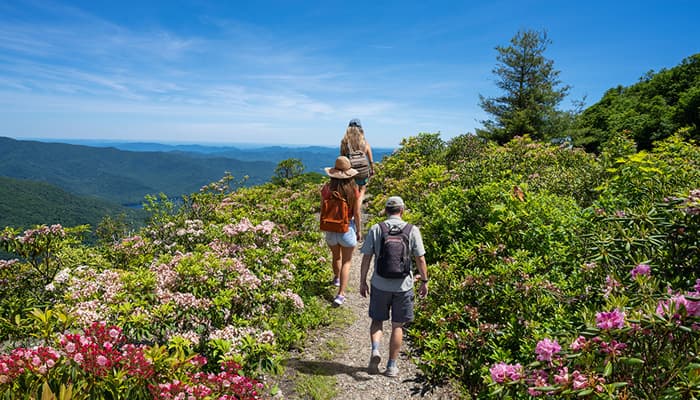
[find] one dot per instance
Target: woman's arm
(358, 217)
(370, 158)
(324, 192)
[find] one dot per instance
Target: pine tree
(530, 88)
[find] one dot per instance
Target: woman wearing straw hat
(342, 244)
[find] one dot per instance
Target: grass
(316, 387)
(313, 383)
(331, 347)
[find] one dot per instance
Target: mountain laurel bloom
(672, 307)
(503, 372)
(546, 348)
(610, 285)
(640, 270)
(578, 344)
(614, 319)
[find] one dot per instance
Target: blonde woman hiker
(340, 220)
(357, 149)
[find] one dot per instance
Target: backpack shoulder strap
(383, 226)
(337, 195)
(407, 229)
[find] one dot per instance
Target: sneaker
(392, 372)
(374, 361)
(339, 300)
(336, 282)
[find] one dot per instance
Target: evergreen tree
(530, 88)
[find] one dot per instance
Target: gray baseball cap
(394, 201)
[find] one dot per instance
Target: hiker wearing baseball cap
(395, 245)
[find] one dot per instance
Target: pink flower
(640, 270)
(673, 306)
(610, 285)
(546, 348)
(614, 347)
(614, 319)
(102, 361)
(70, 347)
(78, 358)
(578, 344)
(503, 372)
(562, 378)
(580, 381)
(537, 380)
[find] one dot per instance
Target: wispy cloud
(239, 78)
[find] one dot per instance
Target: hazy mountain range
(80, 182)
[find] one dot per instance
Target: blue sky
(292, 72)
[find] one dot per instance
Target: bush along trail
(554, 272)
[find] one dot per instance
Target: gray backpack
(394, 260)
(360, 162)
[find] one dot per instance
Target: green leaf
(584, 392)
(608, 369)
(632, 360)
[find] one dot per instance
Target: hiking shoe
(374, 361)
(336, 282)
(339, 300)
(392, 372)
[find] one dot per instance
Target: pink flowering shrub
(39, 253)
(101, 359)
(231, 275)
(626, 354)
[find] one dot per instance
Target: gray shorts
(400, 304)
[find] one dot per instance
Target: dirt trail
(349, 353)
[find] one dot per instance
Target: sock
(375, 346)
(391, 363)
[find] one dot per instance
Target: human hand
(364, 289)
(423, 289)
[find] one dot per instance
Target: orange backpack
(335, 215)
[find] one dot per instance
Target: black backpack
(394, 260)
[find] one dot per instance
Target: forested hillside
(657, 106)
(120, 176)
(24, 204)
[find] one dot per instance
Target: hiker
(355, 147)
(342, 232)
(393, 243)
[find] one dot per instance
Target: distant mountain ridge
(315, 158)
(123, 177)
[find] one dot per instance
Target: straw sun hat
(342, 169)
